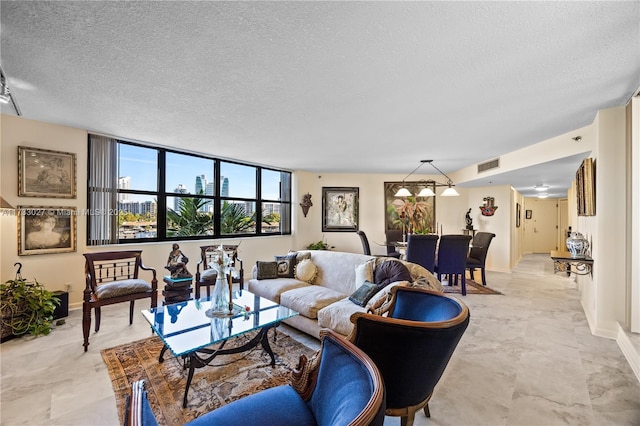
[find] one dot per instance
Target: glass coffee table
(188, 332)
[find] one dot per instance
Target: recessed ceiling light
(541, 187)
(543, 195)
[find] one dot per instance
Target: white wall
(57, 271)
(604, 294)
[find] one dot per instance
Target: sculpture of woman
(469, 220)
(177, 263)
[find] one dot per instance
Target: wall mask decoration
(306, 203)
(488, 208)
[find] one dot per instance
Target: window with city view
(155, 194)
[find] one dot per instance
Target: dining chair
(421, 249)
(478, 254)
(393, 236)
(366, 248)
(452, 258)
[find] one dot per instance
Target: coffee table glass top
(184, 327)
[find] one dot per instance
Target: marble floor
(527, 358)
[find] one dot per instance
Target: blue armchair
(412, 345)
(338, 386)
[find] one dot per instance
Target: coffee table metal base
(202, 357)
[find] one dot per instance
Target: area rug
(472, 288)
(230, 377)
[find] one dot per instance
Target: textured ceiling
(363, 87)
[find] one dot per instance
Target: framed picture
(517, 215)
(45, 230)
(339, 209)
(528, 214)
(586, 188)
(46, 174)
(409, 214)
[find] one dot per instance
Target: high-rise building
(124, 182)
(224, 190)
(201, 184)
(181, 189)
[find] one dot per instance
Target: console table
(563, 262)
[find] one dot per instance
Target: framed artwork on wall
(46, 230)
(586, 188)
(409, 214)
(528, 214)
(46, 174)
(517, 215)
(340, 209)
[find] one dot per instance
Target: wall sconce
(306, 203)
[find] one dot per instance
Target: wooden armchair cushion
(121, 288)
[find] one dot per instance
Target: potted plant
(320, 245)
(26, 307)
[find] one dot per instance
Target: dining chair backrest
(393, 236)
(452, 254)
(480, 246)
(366, 248)
(421, 249)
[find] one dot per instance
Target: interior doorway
(541, 225)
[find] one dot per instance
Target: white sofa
(325, 303)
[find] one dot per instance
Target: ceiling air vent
(492, 164)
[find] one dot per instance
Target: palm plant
(234, 220)
(189, 220)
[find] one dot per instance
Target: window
(141, 193)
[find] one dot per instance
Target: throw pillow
(365, 292)
(391, 271)
(364, 273)
(286, 265)
(302, 255)
(266, 270)
(307, 271)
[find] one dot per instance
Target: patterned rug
(229, 378)
(472, 288)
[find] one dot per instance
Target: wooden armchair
(112, 277)
(208, 255)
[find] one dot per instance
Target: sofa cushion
(336, 316)
(266, 270)
(310, 299)
(391, 271)
(272, 289)
(306, 270)
(122, 288)
(365, 292)
(286, 265)
(336, 270)
(364, 272)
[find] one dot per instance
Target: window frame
(162, 194)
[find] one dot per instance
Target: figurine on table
(177, 263)
(469, 220)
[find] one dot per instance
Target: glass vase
(220, 298)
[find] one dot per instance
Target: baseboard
(631, 352)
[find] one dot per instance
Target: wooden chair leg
(484, 279)
(86, 324)
(98, 317)
(471, 271)
(464, 284)
(409, 418)
(426, 411)
(131, 312)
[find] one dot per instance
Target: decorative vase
(220, 298)
(577, 245)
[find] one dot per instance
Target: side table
(176, 289)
